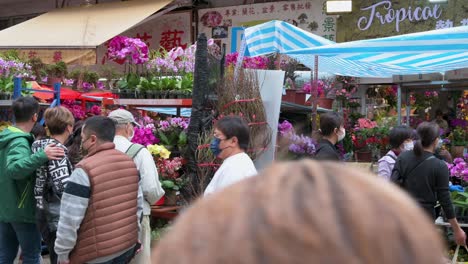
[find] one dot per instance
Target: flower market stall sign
(397, 16)
(168, 31)
(226, 24)
(69, 56)
(376, 19)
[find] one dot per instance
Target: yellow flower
(165, 153)
(159, 151)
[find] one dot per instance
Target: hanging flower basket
(326, 103)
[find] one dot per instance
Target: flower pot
(300, 97)
(326, 103)
(457, 151)
(131, 94)
(170, 198)
(149, 94)
(289, 96)
(161, 201)
(364, 156)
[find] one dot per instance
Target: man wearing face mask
(332, 132)
(400, 138)
(152, 190)
(102, 202)
(230, 141)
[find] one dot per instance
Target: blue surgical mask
(214, 146)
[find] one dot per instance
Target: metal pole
(57, 93)
(399, 104)
(17, 88)
(313, 94)
(408, 107)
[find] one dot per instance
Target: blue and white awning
(425, 52)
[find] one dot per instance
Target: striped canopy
(425, 52)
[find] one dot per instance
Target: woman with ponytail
(426, 178)
(332, 132)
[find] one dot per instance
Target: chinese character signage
(168, 31)
(374, 19)
(69, 56)
(226, 24)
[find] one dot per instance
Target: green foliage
(37, 67)
(58, 70)
(173, 138)
(6, 84)
(169, 83)
(149, 84)
(186, 84)
(169, 185)
(459, 137)
(91, 77)
(10, 55)
(131, 81)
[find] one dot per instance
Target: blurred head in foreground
(303, 212)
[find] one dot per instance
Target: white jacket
(152, 189)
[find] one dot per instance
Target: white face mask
(440, 144)
(342, 135)
(407, 146)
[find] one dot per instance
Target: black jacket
(427, 180)
(327, 151)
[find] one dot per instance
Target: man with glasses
(230, 141)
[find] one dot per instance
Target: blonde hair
(301, 212)
(57, 119)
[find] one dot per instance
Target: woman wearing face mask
(231, 139)
(52, 177)
(426, 178)
(400, 140)
(332, 132)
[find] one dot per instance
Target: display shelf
(149, 102)
(4, 103)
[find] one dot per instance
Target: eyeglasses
(219, 137)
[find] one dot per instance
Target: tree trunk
(199, 98)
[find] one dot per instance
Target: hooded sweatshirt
(17, 175)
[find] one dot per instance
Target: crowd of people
(86, 190)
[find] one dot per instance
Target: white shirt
(233, 169)
(152, 189)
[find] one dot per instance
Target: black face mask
(72, 136)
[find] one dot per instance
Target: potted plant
(90, 80)
(173, 134)
(459, 142)
(324, 92)
(169, 170)
(365, 140)
(56, 72)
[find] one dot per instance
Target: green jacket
(17, 176)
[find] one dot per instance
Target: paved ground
(44, 258)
